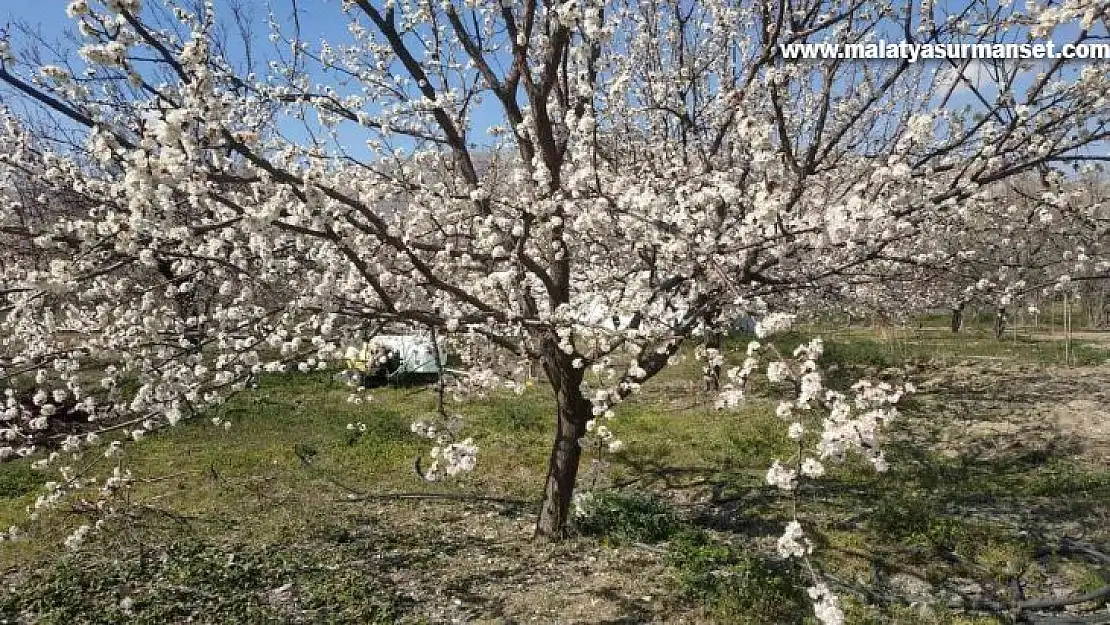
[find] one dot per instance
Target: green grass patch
(735, 585)
(196, 581)
(623, 518)
(18, 479)
(263, 503)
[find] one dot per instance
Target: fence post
(1067, 332)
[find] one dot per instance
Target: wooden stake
(1067, 333)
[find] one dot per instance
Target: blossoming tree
(1032, 236)
(580, 185)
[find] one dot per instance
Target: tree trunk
(573, 411)
(999, 323)
(712, 374)
(957, 319)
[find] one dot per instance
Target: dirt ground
(447, 562)
(981, 411)
(996, 407)
(486, 569)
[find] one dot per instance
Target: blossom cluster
(848, 424)
(450, 458)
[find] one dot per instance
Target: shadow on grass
(1028, 488)
(990, 522)
(340, 568)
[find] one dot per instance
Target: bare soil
(992, 408)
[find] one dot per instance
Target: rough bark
(573, 411)
(999, 323)
(957, 319)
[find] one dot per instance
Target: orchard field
(729, 317)
(998, 494)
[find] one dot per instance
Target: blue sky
(50, 14)
(326, 22)
(322, 19)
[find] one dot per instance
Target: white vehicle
(393, 357)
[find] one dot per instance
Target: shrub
(736, 586)
(625, 518)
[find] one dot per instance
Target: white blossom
(826, 605)
(782, 477)
(793, 543)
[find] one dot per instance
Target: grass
(20, 480)
(191, 579)
(625, 518)
(219, 522)
(737, 585)
(892, 347)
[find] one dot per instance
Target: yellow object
(359, 360)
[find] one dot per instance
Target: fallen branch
(509, 501)
(1021, 611)
(1063, 602)
(1071, 619)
